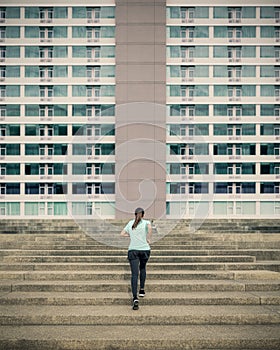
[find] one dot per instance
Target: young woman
(140, 233)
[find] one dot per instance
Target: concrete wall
(140, 112)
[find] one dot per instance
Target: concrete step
(163, 337)
(161, 256)
(155, 286)
(175, 245)
(160, 275)
(122, 275)
(260, 254)
(272, 266)
(65, 246)
(234, 237)
(219, 281)
(151, 298)
(205, 237)
(71, 245)
(147, 315)
(11, 259)
(152, 266)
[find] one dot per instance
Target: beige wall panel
(160, 34)
(141, 92)
(121, 93)
(137, 34)
(121, 12)
(140, 77)
(140, 2)
(160, 93)
(141, 53)
(140, 169)
(139, 14)
(160, 14)
(135, 72)
(160, 53)
(160, 133)
(160, 73)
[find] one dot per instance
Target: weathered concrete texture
(205, 290)
(145, 338)
(155, 314)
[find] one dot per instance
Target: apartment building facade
(108, 105)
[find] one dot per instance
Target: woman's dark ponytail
(139, 213)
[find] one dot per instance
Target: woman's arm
(124, 234)
(149, 235)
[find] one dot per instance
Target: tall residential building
(111, 104)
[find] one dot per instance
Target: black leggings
(138, 260)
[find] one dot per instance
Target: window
(46, 33)
(234, 149)
(187, 33)
(46, 150)
(2, 13)
(89, 111)
(277, 33)
(97, 72)
(234, 130)
(234, 111)
(235, 33)
(46, 169)
(46, 72)
(2, 91)
(2, 32)
(46, 52)
(93, 13)
(97, 150)
(46, 111)
(234, 53)
(89, 91)
(234, 14)
(2, 52)
(187, 111)
(234, 188)
(234, 73)
(46, 13)
(97, 91)
(269, 32)
(187, 73)
(277, 52)
(234, 91)
(89, 150)
(2, 72)
(46, 130)
(3, 170)
(188, 52)
(3, 111)
(93, 52)
(46, 91)
(2, 131)
(187, 13)
(270, 187)
(93, 33)
(3, 150)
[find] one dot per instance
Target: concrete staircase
(214, 288)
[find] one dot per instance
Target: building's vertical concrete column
(140, 111)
